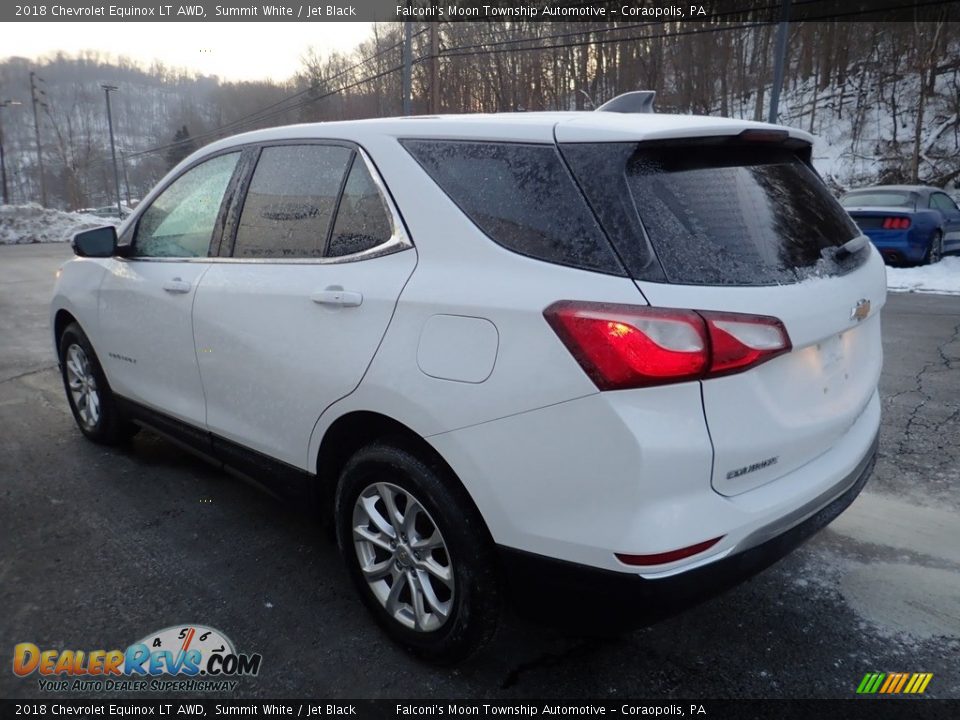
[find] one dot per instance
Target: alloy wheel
(403, 557)
(83, 386)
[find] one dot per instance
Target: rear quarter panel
(461, 272)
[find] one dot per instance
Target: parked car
(609, 360)
(109, 211)
(907, 223)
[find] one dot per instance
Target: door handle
(176, 285)
(337, 296)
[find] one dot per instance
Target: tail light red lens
(896, 223)
(667, 557)
(628, 346)
(738, 342)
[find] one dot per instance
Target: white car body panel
(264, 391)
(474, 277)
(556, 467)
(629, 127)
(544, 488)
(76, 292)
(146, 334)
(794, 407)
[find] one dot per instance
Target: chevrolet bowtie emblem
(860, 310)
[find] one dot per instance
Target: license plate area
(831, 354)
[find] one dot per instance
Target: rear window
(522, 197)
(291, 200)
(362, 218)
(715, 214)
(886, 199)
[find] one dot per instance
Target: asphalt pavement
(99, 547)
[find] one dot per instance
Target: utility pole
(407, 64)
(34, 90)
(3, 163)
(126, 180)
(434, 69)
(107, 89)
(781, 57)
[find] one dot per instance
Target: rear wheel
(935, 251)
(92, 403)
(417, 552)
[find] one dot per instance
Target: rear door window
(363, 221)
(291, 201)
(522, 197)
(717, 214)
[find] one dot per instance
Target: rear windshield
(885, 199)
(715, 214)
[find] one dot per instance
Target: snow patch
(23, 224)
(942, 277)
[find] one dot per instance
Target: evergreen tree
(183, 147)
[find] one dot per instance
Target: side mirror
(99, 242)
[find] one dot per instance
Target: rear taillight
(738, 342)
(669, 556)
(896, 223)
(628, 346)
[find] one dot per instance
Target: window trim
(399, 238)
(938, 193)
(219, 223)
(224, 237)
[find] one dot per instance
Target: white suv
(558, 354)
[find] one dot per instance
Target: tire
(935, 251)
(91, 401)
(459, 615)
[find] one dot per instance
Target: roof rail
(638, 101)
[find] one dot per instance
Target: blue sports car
(907, 223)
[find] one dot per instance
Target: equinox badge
(860, 310)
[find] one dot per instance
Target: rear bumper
(539, 584)
(905, 245)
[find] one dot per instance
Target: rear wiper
(852, 246)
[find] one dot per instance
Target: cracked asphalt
(100, 547)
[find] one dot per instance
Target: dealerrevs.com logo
(178, 658)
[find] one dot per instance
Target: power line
(268, 112)
(603, 41)
(631, 26)
(276, 113)
(330, 79)
(454, 52)
(263, 113)
(677, 33)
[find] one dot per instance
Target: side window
(363, 221)
(942, 202)
(181, 219)
(521, 197)
(291, 200)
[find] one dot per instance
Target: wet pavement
(101, 547)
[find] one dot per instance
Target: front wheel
(91, 401)
(935, 251)
(417, 552)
